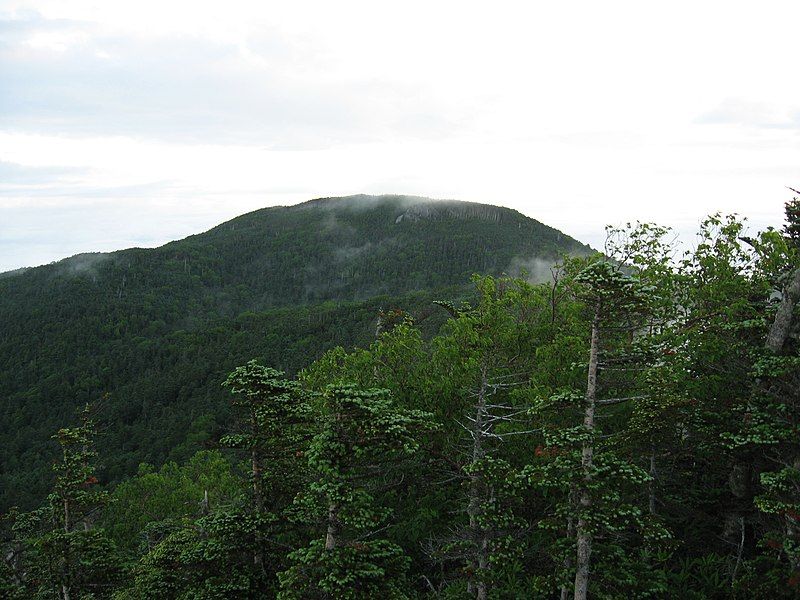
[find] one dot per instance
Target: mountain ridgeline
(155, 331)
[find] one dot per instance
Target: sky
(134, 123)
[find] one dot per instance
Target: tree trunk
(568, 562)
(256, 474)
(258, 500)
(65, 592)
(480, 560)
(66, 515)
(583, 535)
(333, 528)
(782, 324)
(651, 487)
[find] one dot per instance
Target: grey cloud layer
(192, 89)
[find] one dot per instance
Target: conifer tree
(73, 558)
(273, 423)
(767, 432)
(596, 486)
(488, 346)
(727, 291)
(363, 441)
(236, 551)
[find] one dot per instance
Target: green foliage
(362, 438)
(273, 426)
(358, 570)
(792, 227)
(211, 557)
(56, 550)
(159, 329)
(166, 497)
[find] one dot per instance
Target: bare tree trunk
(568, 562)
(651, 487)
(333, 528)
(782, 324)
(480, 560)
(583, 535)
(204, 504)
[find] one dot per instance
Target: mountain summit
(359, 246)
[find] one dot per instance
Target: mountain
(154, 331)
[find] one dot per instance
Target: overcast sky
(133, 123)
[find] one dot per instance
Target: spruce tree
(72, 558)
(362, 443)
(236, 551)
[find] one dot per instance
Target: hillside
(155, 330)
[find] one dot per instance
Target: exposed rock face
(411, 208)
(450, 209)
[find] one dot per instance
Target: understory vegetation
(626, 429)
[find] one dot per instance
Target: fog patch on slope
(82, 264)
(533, 269)
(347, 253)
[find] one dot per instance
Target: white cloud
(736, 111)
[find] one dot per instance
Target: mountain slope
(156, 329)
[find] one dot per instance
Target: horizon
(681, 242)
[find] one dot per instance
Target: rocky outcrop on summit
(452, 209)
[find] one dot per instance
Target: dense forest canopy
(627, 428)
(156, 330)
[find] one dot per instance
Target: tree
(274, 427)
(150, 505)
(488, 345)
(236, 550)
(68, 556)
(614, 300)
(361, 445)
(767, 434)
(595, 487)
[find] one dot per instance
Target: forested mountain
(154, 331)
(627, 428)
